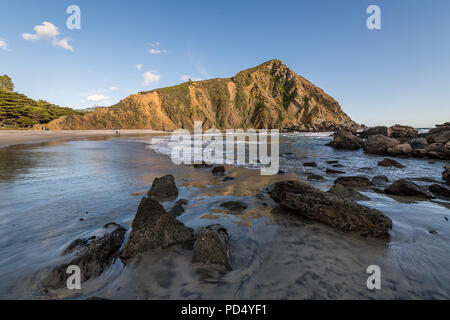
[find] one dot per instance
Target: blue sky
(399, 74)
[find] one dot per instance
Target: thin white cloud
(139, 66)
(113, 88)
(156, 50)
(150, 77)
(47, 31)
(97, 98)
(4, 45)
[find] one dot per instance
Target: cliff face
(267, 96)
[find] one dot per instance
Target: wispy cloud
(47, 31)
(150, 77)
(155, 49)
(4, 45)
(139, 66)
(113, 88)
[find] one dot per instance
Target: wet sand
(12, 137)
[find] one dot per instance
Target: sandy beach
(12, 137)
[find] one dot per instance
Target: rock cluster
(398, 141)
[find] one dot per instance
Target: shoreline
(15, 137)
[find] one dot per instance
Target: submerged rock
(386, 162)
(202, 165)
(446, 175)
(234, 206)
(379, 180)
(163, 188)
(178, 208)
(329, 170)
(93, 255)
(379, 144)
(440, 190)
(226, 179)
(340, 191)
(212, 246)
(310, 164)
(154, 228)
(313, 176)
(404, 187)
(338, 212)
(218, 171)
(353, 181)
(344, 139)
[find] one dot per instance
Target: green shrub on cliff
(17, 110)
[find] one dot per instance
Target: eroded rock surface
(163, 188)
(338, 212)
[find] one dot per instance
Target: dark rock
(218, 171)
(418, 143)
(404, 187)
(202, 165)
(93, 256)
(154, 228)
(365, 169)
(338, 165)
(234, 206)
(386, 162)
(440, 134)
(432, 232)
(402, 132)
(313, 176)
(379, 180)
(310, 164)
(226, 179)
(343, 214)
(446, 175)
(332, 162)
(381, 130)
(353, 181)
(403, 149)
(340, 191)
(424, 179)
(212, 246)
(329, 170)
(178, 208)
(379, 144)
(163, 188)
(440, 190)
(344, 139)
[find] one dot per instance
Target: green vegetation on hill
(17, 110)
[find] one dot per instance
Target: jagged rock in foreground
(212, 246)
(93, 255)
(154, 228)
(379, 144)
(340, 191)
(267, 96)
(404, 187)
(343, 214)
(163, 188)
(344, 139)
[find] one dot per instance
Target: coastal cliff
(267, 96)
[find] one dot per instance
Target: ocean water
(46, 188)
